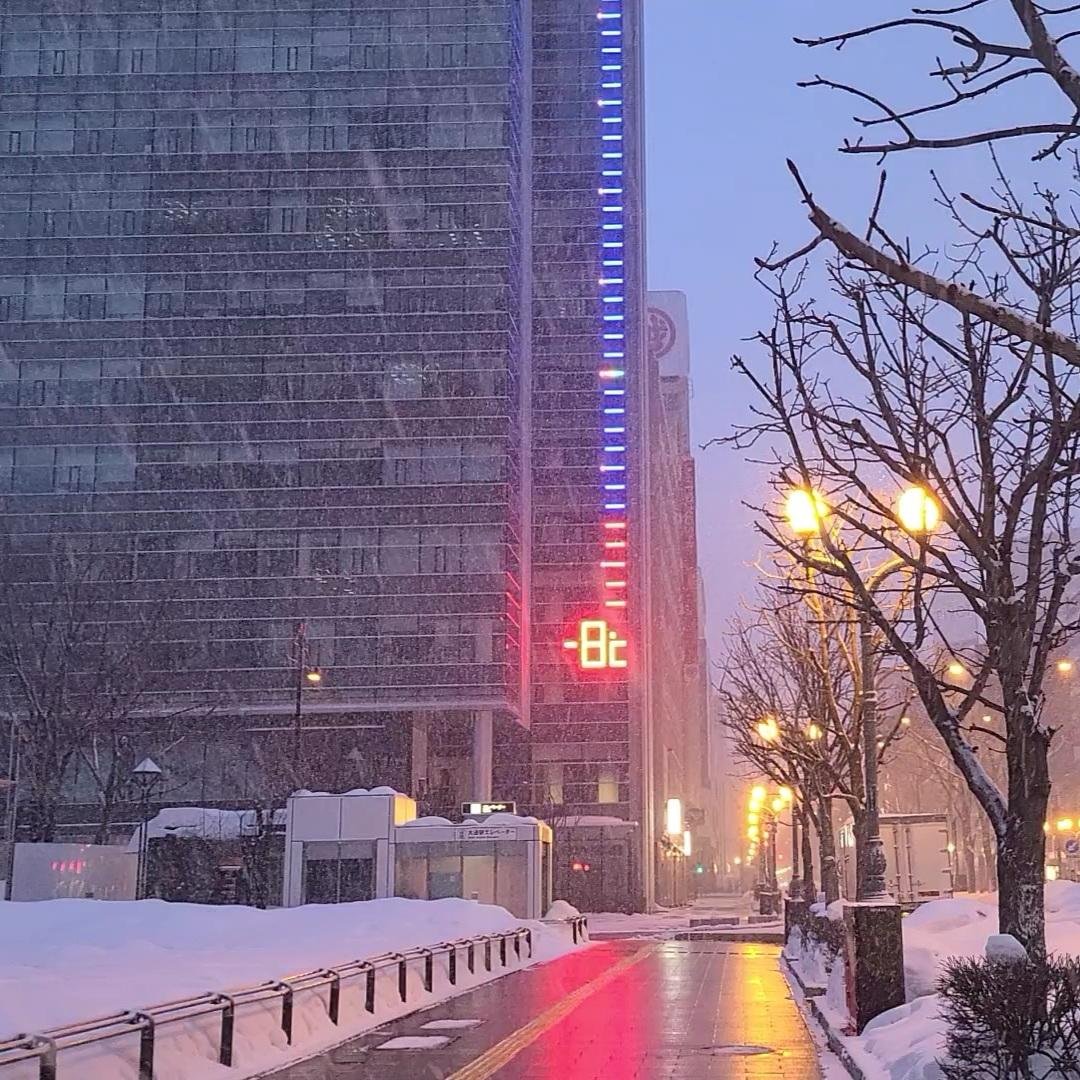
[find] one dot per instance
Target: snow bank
(909, 1040)
(941, 929)
(906, 1043)
(67, 960)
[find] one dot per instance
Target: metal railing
(579, 928)
(46, 1046)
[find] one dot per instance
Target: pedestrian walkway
(621, 1010)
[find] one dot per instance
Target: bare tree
(74, 680)
(985, 67)
(956, 372)
(792, 690)
(885, 387)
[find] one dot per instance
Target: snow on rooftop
(500, 819)
(354, 791)
(202, 822)
(596, 821)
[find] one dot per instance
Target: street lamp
(918, 514)
(306, 676)
(10, 787)
(768, 730)
(147, 775)
(918, 511)
(806, 512)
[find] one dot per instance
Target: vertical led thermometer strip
(612, 281)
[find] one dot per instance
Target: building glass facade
(327, 313)
(259, 336)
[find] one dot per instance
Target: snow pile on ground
(665, 922)
(906, 1043)
(939, 930)
(68, 960)
(562, 910)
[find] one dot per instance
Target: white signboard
(494, 833)
(669, 332)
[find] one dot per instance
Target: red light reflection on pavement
(609, 1035)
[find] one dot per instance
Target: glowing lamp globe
(918, 511)
(806, 511)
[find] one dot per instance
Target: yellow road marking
(502, 1053)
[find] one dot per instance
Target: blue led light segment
(612, 314)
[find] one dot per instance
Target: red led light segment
(598, 646)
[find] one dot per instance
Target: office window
(114, 466)
(360, 551)
(404, 378)
(33, 471)
(399, 550)
(320, 553)
(553, 780)
(608, 786)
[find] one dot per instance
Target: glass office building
(320, 332)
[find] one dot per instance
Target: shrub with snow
(1007, 1018)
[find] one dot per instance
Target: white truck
(919, 858)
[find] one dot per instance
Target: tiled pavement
(621, 1010)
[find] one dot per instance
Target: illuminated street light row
(768, 730)
(919, 514)
(916, 509)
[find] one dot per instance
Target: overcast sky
(723, 114)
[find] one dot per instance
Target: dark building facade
(321, 340)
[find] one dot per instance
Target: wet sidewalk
(621, 1010)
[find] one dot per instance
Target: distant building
(322, 323)
(680, 655)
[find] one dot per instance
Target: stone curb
(746, 936)
(832, 1036)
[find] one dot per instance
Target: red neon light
(598, 646)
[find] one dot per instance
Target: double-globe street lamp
(769, 732)
(919, 514)
(762, 820)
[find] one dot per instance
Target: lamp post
(306, 678)
(769, 731)
(147, 775)
(918, 514)
(10, 786)
(763, 821)
(787, 797)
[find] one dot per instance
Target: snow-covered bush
(816, 942)
(1010, 1019)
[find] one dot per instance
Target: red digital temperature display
(598, 646)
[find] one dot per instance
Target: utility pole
(306, 676)
(11, 808)
(301, 670)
